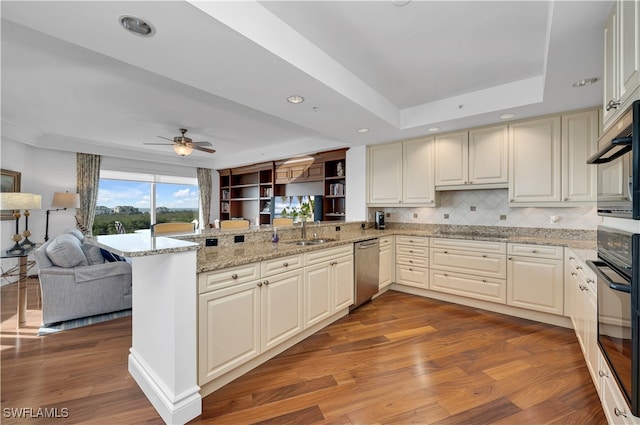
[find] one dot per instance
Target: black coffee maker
(380, 220)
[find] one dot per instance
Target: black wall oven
(618, 284)
(618, 160)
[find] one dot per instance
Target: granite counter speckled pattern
(141, 244)
(214, 258)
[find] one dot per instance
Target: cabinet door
(629, 48)
(228, 329)
(412, 276)
(579, 142)
(317, 280)
(343, 283)
(385, 174)
(488, 155)
(452, 159)
(610, 76)
(417, 172)
(386, 266)
(534, 169)
(281, 316)
(535, 284)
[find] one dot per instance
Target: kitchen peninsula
(163, 357)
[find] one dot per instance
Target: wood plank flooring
(400, 359)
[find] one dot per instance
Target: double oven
(618, 264)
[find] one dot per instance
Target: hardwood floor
(400, 359)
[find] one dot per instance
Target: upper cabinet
(401, 174)
(621, 59)
(548, 157)
(298, 170)
(475, 159)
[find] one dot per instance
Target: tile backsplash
(491, 208)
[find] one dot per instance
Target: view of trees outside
(131, 203)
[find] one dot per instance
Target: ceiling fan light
(182, 150)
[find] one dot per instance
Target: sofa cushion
(65, 251)
(93, 253)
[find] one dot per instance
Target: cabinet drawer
(412, 260)
(319, 256)
(613, 403)
(494, 290)
(412, 276)
(488, 265)
(411, 250)
(218, 279)
(282, 264)
(413, 240)
(540, 251)
(489, 247)
(386, 241)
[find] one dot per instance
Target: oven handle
(622, 143)
(595, 266)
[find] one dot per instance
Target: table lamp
(17, 201)
(61, 201)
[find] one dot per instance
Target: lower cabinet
(259, 306)
(535, 278)
(412, 261)
(387, 262)
(613, 403)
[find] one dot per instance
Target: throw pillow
(110, 256)
(77, 233)
(93, 253)
(65, 251)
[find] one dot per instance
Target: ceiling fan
(183, 145)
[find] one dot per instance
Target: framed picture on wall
(10, 182)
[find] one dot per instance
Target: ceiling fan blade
(201, 144)
(166, 138)
(162, 144)
(200, 148)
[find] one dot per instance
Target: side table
(22, 281)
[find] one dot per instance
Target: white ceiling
(73, 79)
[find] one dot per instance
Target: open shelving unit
(246, 192)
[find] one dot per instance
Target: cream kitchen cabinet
(412, 261)
(281, 313)
(387, 262)
(475, 269)
(535, 161)
(621, 59)
(581, 306)
(547, 166)
(329, 282)
(579, 141)
(477, 159)
(535, 278)
(614, 405)
(401, 174)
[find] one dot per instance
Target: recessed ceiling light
(295, 99)
(363, 130)
(432, 129)
(585, 82)
(506, 116)
(400, 3)
(137, 26)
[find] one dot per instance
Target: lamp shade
(65, 200)
(20, 201)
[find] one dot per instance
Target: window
(140, 200)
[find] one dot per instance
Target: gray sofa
(76, 280)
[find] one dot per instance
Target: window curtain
(205, 186)
(88, 178)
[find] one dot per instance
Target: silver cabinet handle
(285, 264)
(578, 267)
(259, 284)
(572, 258)
(534, 251)
(574, 274)
(484, 256)
(619, 412)
(234, 276)
(612, 104)
(266, 282)
(591, 281)
(446, 252)
(603, 374)
(582, 287)
(484, 280)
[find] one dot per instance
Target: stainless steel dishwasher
(367, 270)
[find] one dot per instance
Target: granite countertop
(143, 244)
(214, 258)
